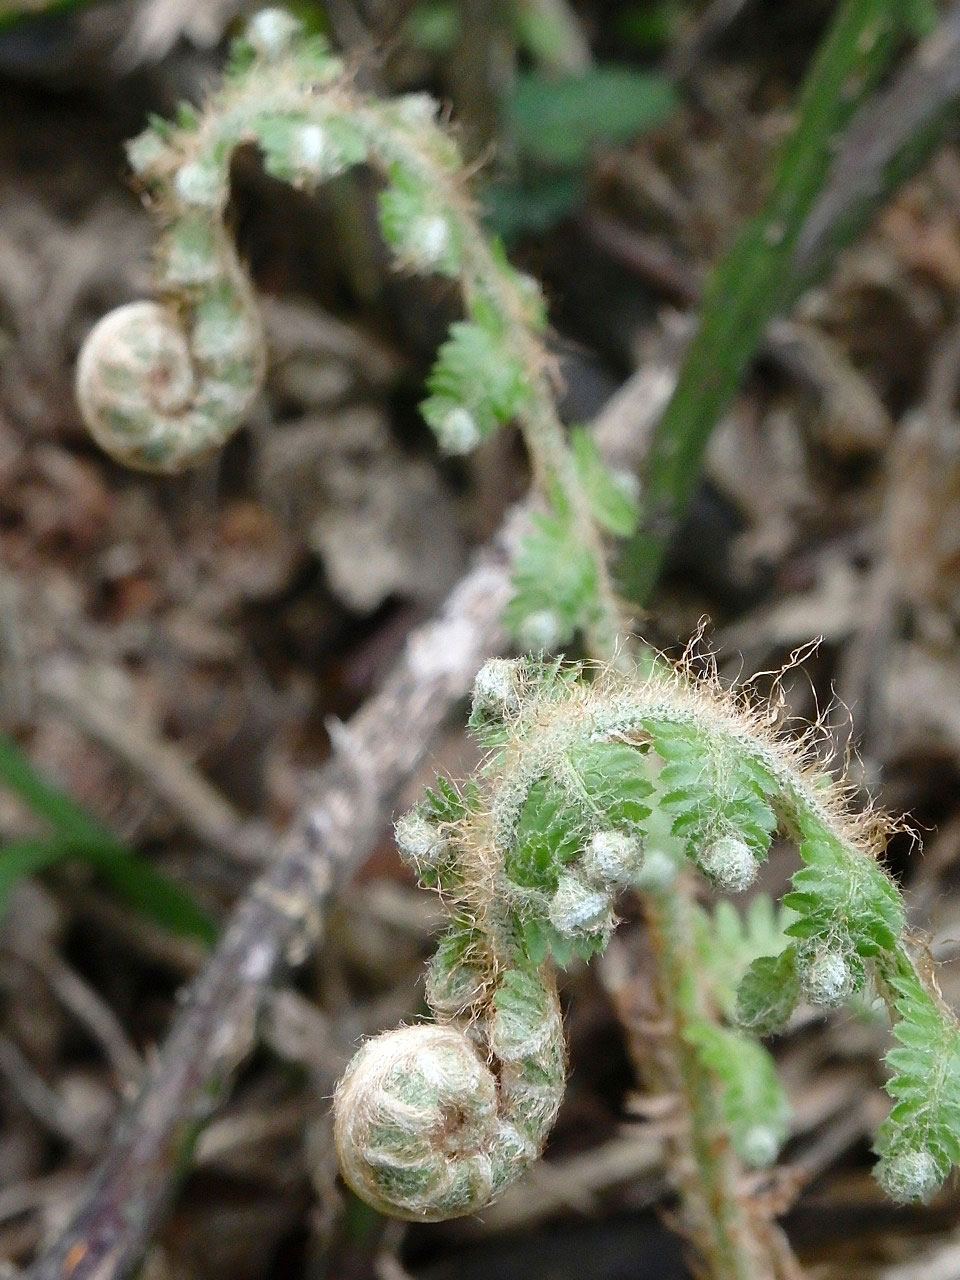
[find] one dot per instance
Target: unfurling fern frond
(163, 384)
(919, 1142)
(729, 943)
(589, 784)
(555, 583)
(477, 384)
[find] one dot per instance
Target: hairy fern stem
(715, 1214)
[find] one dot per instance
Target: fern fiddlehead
(163, 384)
(590, 787)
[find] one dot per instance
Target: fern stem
(544, 436)
(604, 633)
(716, 1215)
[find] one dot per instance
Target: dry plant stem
(85, 1004)
(715, 1216)
(36, 1096)
(278, 921)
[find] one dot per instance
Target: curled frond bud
(271, 31)
(577, 908)
(416, 110)
(314, 154)
(909, 1175)
(416, 1125)
(760, 1146)
(426, 243)
(496, 688)
(430, 239)
(146, 152)
(729, 862)
(151, 402)
(827, 978)
(136, 346)
(457, 430)
(540, 631)
(199, 186)
(612, 858)
(419, 842)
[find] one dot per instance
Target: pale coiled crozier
(434, 1121)
(157, 400)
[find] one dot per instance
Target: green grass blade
(24, 858)
(77, 835)
(755, 278)
(65, 816)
